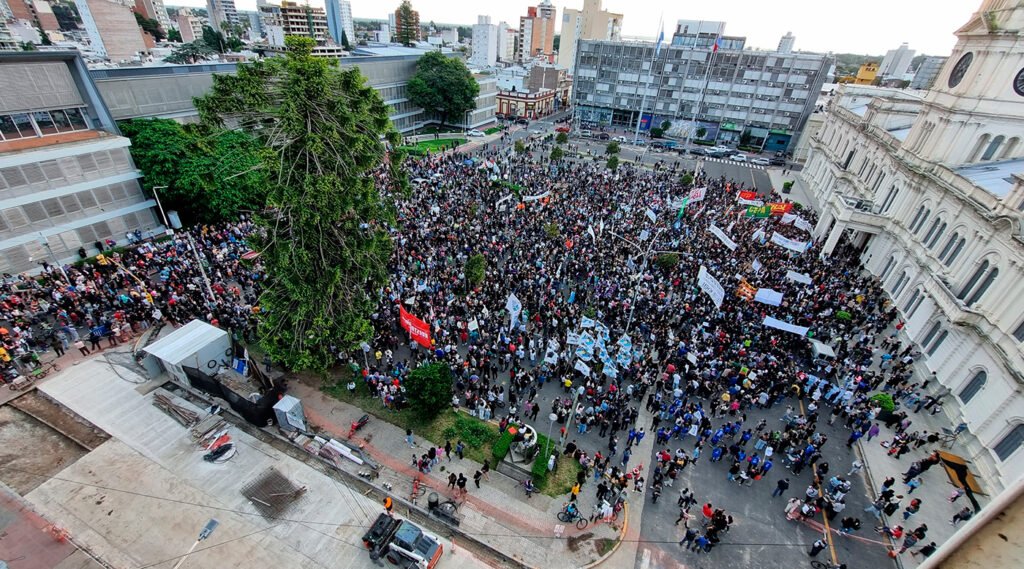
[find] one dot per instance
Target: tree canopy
(325, 243)
(406, 33)
(149, 25)
(429, 389)
(443, 86)
(190, 53)
(209, 175)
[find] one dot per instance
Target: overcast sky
(867, 27)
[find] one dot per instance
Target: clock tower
(975, 111)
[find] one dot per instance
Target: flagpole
(704, 88)
(650, 76)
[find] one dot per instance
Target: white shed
(197, 345)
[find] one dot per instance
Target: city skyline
(762, 23)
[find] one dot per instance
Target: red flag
(417, 329)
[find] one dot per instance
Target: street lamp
(205, 533)
(547, 449)
(160, 205)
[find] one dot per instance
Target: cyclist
(572, 511)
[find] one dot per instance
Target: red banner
(417, 329)
(779, 208)
(748, 196)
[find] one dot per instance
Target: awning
(959, 473)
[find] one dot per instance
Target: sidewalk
(800, 191)
(498, 513)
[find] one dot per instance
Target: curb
(893, 545)
(622, 536)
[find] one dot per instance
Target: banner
(417, 329)
(769, 209)
(756, 265)
(582, 368)
(651, 215)
(803, 224)
(786, 326)
(610, 370)
(788, 218)
(798, 277)
(758, 235)
(791, 244)
(755, 203)
(573, 339)
(514, 307)
(746, 290)
(768, 296)
(723, 237)
(748, 195)
(696, 195)
(537, 197)
(710, 285)
(586, 323)
(780, 208)
(585, 353)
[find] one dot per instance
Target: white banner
(768, 296)
(651, 215)
(537, 197)
(791, 244)
(798, 277)
(573, 339)
(786, 326)
(583, 368)
(757, 203)
(504, 199)
(473, 325)
(723, 237)
(514, 307)
(587, 323)
(788, 218)
(710, 285)
(803, 224)
(697, 195)
(757, 266)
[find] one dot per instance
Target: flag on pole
(661, 38)
(718, 40)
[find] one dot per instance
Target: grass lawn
(561, 481)
(493, 130)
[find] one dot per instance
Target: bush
(798, 206)
(667, 260)
(843, 315)
(657, 132)
(701, 133)
(556, 153)
(665, 125)
(501, 446)
(589, 312)
(885, 401)
(787, 185)
(704, 142)
(551, 230)
(686, 180)
(612, 148)
(519, 147)
(562, 138)
(613, 163)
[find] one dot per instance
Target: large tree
(443, 86)
(190, 53)
(324, 242)
(407, 32)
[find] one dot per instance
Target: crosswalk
(728, 161)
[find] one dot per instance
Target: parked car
(563, 129)
(536, 131)
(638, 142)
(662, 144)
(603, 136)
(620, 139)
(760, 161)
(739, 157)
(522, 120)
(586, 133)
(699, 151)
(777, 161)
(474, 132)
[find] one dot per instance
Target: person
(459, 447)
(926, 550)
(528, 485)
(817, 547)
(572, 510)
(848, 525)
(451, 480)
(476, 478)
(408, 438)
(389, 505)
(461, 483)
(688, 538)
(85, 351)
(855, 467)
(701, 543)
(575, 492)
(781, 486)
(961, 516)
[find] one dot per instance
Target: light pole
(54, 258)
(160, 205)
(205, 533)
(552, 418)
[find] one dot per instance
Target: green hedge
(502, 445)
(540, 470)
(474, 432)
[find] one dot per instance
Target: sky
(869, 27)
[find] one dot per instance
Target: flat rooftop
(994, 177)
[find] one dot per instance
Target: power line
(177, 557)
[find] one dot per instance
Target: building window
(985, 284)
(949, 245)
(973, 280)
(931, 231)
(938, 342)
(917, 217)
(1018, 333)
(916, 306)
(888, 267)
(956, 251)
(910, 302)
(920, 224)
(993, 147)
(898, 288)
(931, 334)
(1010, 443)
(973, 386)
(41, 123)
(937, 236)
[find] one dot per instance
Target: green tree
(214, 39)
(551, 230)
(701, 133)
(612, 163)
(686, 180)
(191, 53)
(519, 147)
(657, 132)
(666, 260)
(429, 389)
(562, 138)
(344, 41)
(406, 32)
(476, 267)
(325, 246)
(612, 148)
(150, 26)
(745, 137)
(556, 154)
(174, 35)
(665, 125)
(443, 86)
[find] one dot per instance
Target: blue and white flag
(625, 343)
(610, 370)
(586, 340)
(624, 358)
(587, 323)
(584, 353)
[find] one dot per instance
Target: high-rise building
(896, 62)
(537, 33)
(930, 191)
(221, 12)
(46, 17)
(485, 43)
(786, 43)
(729, 93)
(507, 38)
(155, 10)
(190, 26)
(67, 177)
(7, 40)
(112, 29)
(406, 30)
(339, 20)
(293, 19)
(591, 23)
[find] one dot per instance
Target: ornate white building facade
(930, 186)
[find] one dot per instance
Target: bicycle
(827, 564)
(567, 517)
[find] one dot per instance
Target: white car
(620, 139)
(739, 157)
(474, 133)
(759, 161)
(536, 131)
(586, 133)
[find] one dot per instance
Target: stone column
(833, 239)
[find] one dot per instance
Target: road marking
(645, 559)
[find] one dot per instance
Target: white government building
(930, 186)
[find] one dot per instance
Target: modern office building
(221, 12)
(896, 62)
(927, 72)
(867, 73)
(67, 179)
(537, 33)
(507, 41)
(590, 23)
(485, 43)
(786, 43)
(339, 20)
(7, 40)
(729, 94)
(931, 190)
(113, 32)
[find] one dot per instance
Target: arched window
(956, 251)
(982, 145)
(916, 306)
(931, 231)
(938, 235)
(989, 279)
(1011, 148)
(910, 302)
(938, 342)
(992, 148)
(888, 267)
(973, 280)
(899, 284)
(920, 224)
(1010, 443)
(931, 334)
(917, 218)
(973, 386)
(949, 245)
